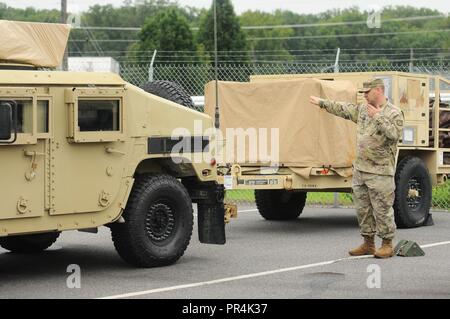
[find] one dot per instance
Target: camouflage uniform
(374, 168)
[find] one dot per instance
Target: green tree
(113, 43)
(28, 14)
(229, 33)
(167, 31)
(266, 50)
(432, 46)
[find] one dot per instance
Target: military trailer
(423, 156)
(84, 150)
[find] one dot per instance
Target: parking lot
(306, 258)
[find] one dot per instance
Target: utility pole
(65, 64)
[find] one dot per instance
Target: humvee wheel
(413, 193)
(24, 244)
(158, 222)
(280, 204)
(169, 91)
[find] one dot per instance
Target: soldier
(379, 127)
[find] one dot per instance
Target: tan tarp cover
(309, 136)
(39, 44)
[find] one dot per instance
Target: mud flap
(211, 223)
(211, 215)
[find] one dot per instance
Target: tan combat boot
(386, 250)
(367, 248)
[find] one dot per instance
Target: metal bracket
(31, 173)
(104, 199)
(236, 170)
(22, 205)
(288, 182)
(111, 150)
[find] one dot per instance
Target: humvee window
(24, 116)
(98, 115)
(42, 116)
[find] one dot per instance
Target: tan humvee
(423, 157)
(82, 150)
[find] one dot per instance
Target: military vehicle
(84, 150)
(423, 156)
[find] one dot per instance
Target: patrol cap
(367, 86)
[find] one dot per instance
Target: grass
(441, 197)
(312, 199)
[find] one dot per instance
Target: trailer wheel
(170, 91)
(280, 204)
(158, 222)
(413, 193)
(24, 244)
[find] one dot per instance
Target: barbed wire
(346, 35)
(300, 50)
(249, 53)
(305, 37)
(290, 62)
(285, 57)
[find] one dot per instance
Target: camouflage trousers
(373, 196)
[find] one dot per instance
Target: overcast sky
(299, 6)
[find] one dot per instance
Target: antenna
(217, 114)
(65, 63)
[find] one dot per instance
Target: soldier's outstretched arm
(348, 111)
(390, 125)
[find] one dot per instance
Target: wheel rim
(160, 222)
(414, 194)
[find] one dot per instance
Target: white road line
(212, 282)
(247, 210)
(435, 244)
(258, 274)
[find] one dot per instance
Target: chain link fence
(193, 78)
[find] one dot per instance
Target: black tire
(158, 222)
(410, 210)
(169, 91)
(280, 204)
(25, 244)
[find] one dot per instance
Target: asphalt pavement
(305, 258)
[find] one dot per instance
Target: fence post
(336, 63)
(411, 58)
(150, 69)
(336, 200)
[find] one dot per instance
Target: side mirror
(8, 121)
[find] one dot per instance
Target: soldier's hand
(372, 110)
(314, 100)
